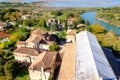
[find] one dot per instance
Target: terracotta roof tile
(29, 51)
(39, 32)
(46, 61)
(21, 43)
(71, 32)
(67, 70)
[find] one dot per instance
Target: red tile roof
(29, 51)
(4, 35)
(46, 60)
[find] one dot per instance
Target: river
(90, 16)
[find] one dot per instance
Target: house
(1, 26)
(59, 25)
(50, 21)
(2, 34)
(35, 52)
(26, 16)
(42, 62)
(80, 25)
(21, 44)
(70, 22)
(70, 36)
(27, 55)
(43, 67)
(13, 23)
(39, 39)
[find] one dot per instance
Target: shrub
(54, 47)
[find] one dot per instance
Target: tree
(87, 23)
(96, 28)
(10, 69)
(14, 37)
(65, 26)
(1, 70)
(42, 23)
(54, 47)
(74, 25)
(69, 15)
(54, 26)
(80, 20)
(56, 13)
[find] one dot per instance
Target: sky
(68, 0)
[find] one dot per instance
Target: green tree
(87, 23)
(96, 28)
(80, 20)
(54, 26)
(56, 12)
(10, 69)
(66, 25)
(74, 25)
(42, 23)
(54, 47)
(1, 71)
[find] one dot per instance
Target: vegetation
(96, 28)
(20, 34)
(56, 12)
(54, 26)
(107, 39)
(74, 25)
(110, 15)
(9, 14)
(54, 47)
(8, 67)
(23, 74)
(65, 26)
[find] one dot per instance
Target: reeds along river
(90, 16)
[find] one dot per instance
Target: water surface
(90, 16)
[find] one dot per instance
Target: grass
(62, 17)
(23, 75)
(47, 15)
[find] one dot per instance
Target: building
(43, 67)
(80, 25)
(27, 55)
(91, 62)
(39, 39)
(2, 24)
(13, 23)
(85, 60)
(67, 70)
(21, 44)
(35, 52)
(26, 16)
(50, 21)
(70, 36)
(70, 22)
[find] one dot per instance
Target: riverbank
(90, 16)
(109, 22)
